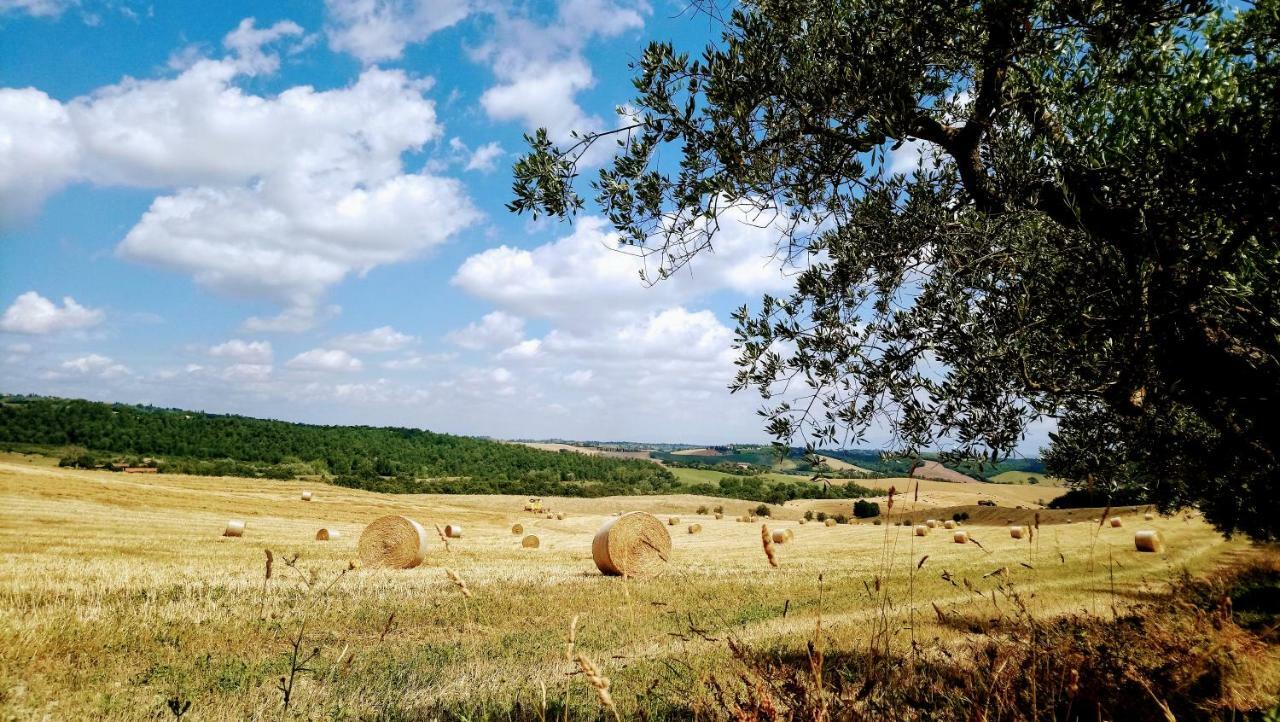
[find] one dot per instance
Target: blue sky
(295, 210)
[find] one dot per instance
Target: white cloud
(374, 30)
(95, 365)
(485, 158)
(540, 68)
(584, 277)
(248, 352)
(294, 319)
(37, 8)
(278, 196)
(580, 378)
(495, 330)
(324, 359)
(34, 314)
(247, 372)
(524, 350)
(378, 340)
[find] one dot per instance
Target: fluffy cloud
(485, 158)
(378, 340)
(95, 365)
(324, 359)
(540, 68)
(34, 314)
(374, 30)
(279, 197)
(37, 8)
(585, 276)
(495, 330)
(248, 352)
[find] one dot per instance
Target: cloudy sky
(295, 210)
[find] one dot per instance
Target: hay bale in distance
(695, 528)
(1148, 540)
(530, 542)
(931, 523)
(830, 522)
(1017, 531)
(306, 496)
(393, 541)
(517, 529)
(235, 527)
(560, 516)
(453, 531)
(949, 524)
(780, 537)
(673, 520)
(1148, 516)
(327, 534)
(1116, 522)
(719, 515)
(634, 545)
(961, 537)
(922, 530)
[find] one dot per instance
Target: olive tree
(1004, 211)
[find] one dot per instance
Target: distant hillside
(387, 459)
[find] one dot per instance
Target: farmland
(117, 593)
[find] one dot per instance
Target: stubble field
(117, 594)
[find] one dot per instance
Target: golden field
(117, 593)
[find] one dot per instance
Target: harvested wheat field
(118, 592)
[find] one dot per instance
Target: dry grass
(117, 595)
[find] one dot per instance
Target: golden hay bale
(719, 515)
(393, 541)
(802, 521)
(235, 527)
(961, 537)
(1148, 516)
(830, 522)
(1017, 531)
(1116, 522)
(453, 531)
(328, 534)
(634, 545)
(306, 496)
(922, 530)
(560, 516)
(949, 524)
(791, 534)
(673, 520)
(530, 542)
(695, 528)
(931, 523)
(780, 537)
(1149, 540)
(517, 529)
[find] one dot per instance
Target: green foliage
(1092, 229)
(866, 509)
(960, 516)
(762, 510)
(388, 459)
(808, 515)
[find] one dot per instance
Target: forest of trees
(393, 459)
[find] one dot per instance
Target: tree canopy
(1003, 211)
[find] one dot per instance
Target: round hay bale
(695, 528)
(634, 545)
(791, 534)
(931, 523)
(560, 516)
(327, 534)
(517, 529)
(922, 530)
(780, 537)
(830, 522)
(306, 496)
(673, 520)
(1016, 532)
(453, 531)
(235, 527)
(530, 542)
(1116, 522)
(961, 537)
(802, 522)
(393, 541)
(719, 515)
(949, 524)
(1148, 516)
(1148, 540)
